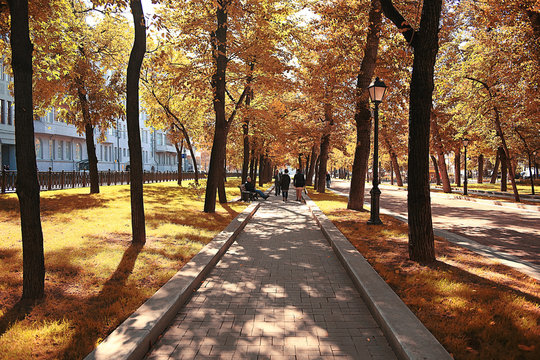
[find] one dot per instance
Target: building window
(78, 152)
(10, 113)
(39, 149)
(110, 153)
(51, 149)
(3, 112)
(61, 150)
(68, 150)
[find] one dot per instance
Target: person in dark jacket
(250, 186)
(285, 182)
(299, 183)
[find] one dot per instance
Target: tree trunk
(457, 167)
(215, 172)
(255, 167)
(444, 173)
(262, 169)
(504, 169)
(436, 169)
(179, 154)
(251, 164)
(316, 170)
(134, 135)
(495, 167)
(440, 156)
(480, 169)
(300, 161)
(395, 165)
(362, 115)
(391, 171)
(425, 46)
(92, 157)
(311, 170)
(27, 180)
(245, 162)
(323, 160)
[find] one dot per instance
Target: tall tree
(27, 181)
(133, 127)
(424, 42)
(362, 115)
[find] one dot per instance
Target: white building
(7, 124)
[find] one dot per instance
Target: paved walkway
(278, 293)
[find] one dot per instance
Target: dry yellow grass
(476, 307)
(95, 278)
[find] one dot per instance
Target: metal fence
(53, 180)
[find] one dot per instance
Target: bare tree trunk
(311, 170)
(325, 148)
(395, 165)
(92, 158)
(245, 161)
(316, 183)
(425, 46)
(495, 167)
(504, 169)
(179, 154)
(480, 169)
(440, 156)
(262, 170)
(27, 180)
(436, 169)
(457, 166)
(252, 165)
(362, 114)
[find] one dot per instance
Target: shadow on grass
(112, 298)
(17, 313)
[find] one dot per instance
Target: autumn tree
(27, 181)
(424, 42)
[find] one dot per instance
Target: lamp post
(465, 143)
(376, 91)
(535, 165)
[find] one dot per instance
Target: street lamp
(465, 143)
(376, 91)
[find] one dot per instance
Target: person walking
(277, 182)
(299, 183)
(285, 182)
(328, 179)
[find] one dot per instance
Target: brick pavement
(278, 293)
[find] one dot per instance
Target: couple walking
(282, 183)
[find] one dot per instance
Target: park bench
(247, 195)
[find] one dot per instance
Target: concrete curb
(133, 338)
(409, 338)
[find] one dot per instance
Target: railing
(49, 180)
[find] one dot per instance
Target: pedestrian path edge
(409, 338)
(133, 338)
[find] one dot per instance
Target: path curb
(133, 338)
(409, 338)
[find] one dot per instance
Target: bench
(247, 195)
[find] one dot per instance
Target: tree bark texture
(245, 132)
(262, 169)
(362, 115)
(457, 167)
(437, 141)
(27, 180)
(325, 148)
(92, 157)
(215, 171)
(504, 169)
(495, 173)
(317, 162)
(480, 169)
(311, 169)
(425, 45)
(132, 110)
(436, 169)
(179, 154)
(252, 164)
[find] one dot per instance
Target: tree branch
(395, 16)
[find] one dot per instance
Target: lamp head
(377, 90)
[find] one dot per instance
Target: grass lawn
(523, 186)
(476, 307)
(95, 278)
